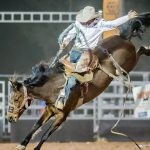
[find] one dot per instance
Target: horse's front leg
(143, 50)
(60, 117)
(47, 114)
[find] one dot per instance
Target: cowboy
(87, 31)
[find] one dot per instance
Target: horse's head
(17, 102)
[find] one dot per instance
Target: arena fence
(107, 106)
(37, 17)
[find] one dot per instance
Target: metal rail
(2, 104)
(106, 106)
(37, 17)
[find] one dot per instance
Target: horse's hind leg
(144, 50)
(60, 117)
(47, 114)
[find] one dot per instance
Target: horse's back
(115, 42)
(123, 51)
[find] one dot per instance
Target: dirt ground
(81, 146)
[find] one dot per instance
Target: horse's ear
(15, 84)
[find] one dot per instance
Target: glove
(62, 46)
(132, 14)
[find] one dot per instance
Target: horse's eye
(16, 100)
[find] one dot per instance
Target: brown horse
(124, 53)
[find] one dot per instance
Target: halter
(26, 98)
(24, 104)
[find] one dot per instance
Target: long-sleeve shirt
(92, 33)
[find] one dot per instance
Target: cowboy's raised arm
(119, 21)
(66, 36)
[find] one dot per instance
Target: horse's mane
(135, 27)
(41, 74)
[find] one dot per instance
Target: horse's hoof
(145, 50)
(21, 147)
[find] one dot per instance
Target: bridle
(25, 104)
(27, 99)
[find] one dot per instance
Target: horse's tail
(145, 19)
(135, 27)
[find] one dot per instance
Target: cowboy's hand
(62, 46)
(132, 14)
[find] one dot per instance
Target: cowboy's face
(88, 22)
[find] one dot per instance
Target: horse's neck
(49, 91)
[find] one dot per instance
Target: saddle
(83, 69)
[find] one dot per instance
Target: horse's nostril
(10, 119)
(15, 119)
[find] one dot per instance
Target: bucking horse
(46, 82)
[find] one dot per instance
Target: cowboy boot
(60, 103)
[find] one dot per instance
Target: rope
(127, 83)
(55, 59)
(115, 125)
(125, 80)
(64, 33)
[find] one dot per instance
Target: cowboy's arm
(66, 36)
(114, 23)
(119, 21)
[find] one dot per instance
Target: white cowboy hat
(86, 14)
